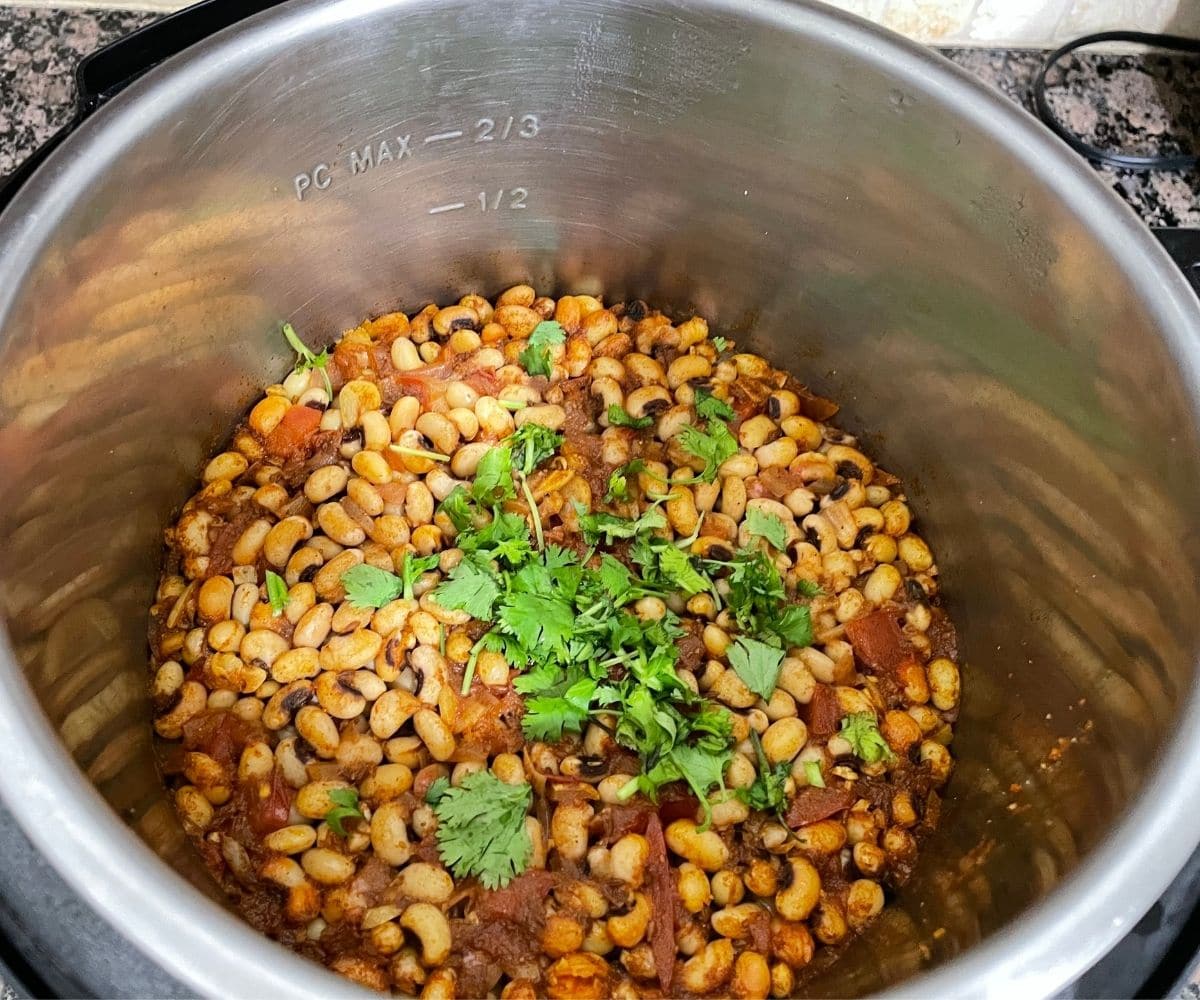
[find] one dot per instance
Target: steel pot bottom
(1010, 339)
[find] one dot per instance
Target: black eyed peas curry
(548, 648)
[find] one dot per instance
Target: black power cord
(1125, 161)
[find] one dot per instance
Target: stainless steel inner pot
(1000, 329)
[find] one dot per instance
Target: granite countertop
(1127, 102)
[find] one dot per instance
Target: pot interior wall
(841, 220)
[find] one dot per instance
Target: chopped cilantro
(277, 593)
(457, 507)
(437, 788)
(618, 417)
(493, 476)
(809, 588)
(713, 445)
(769, 526)
(471, 588)
(861, 731)
(481, 829)
(345, 806)
(531, 445)
(708, 407)
(812, 771)
(599, 525)
(371, 587)
(768, 792)
(720, 343)
(756, 663)
(759, 602)
(535, 359)
(306, 360)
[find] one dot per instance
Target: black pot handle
(108, 71)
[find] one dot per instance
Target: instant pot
(1009, 337)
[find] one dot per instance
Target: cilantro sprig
(861, 731)
(535, 359)
(371, 587)
(618, 417)
(481, 827)
(756, 663)
(345, 806)
(713, 445)
(306, 359)
(766, 525)
(769, 791)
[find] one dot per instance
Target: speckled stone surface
(1135, 103)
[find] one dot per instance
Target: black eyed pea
(339, 525)
(681, 511)
(432, 670)
(425, 883)
(569, 829)
(740, 773)
(728, 811)
(194, 809)
(705, 849)
(441, 484)
(533, 828)
(337, 697)
(507, 767)
(358, 753)
(518, 320)
(727, 888)
(305, 561)
(289, 763)
(377, 432)
(283, 538)
(800, 897)
(191, 648)
(262, 647)
(391, 710)
(256, 763)
(356, 398)
(440, 431)
(710, 969)
(938, 758)
(691, 938)
(736, 921)
(781, 705)
(295, 665)
(761, 878)
(228, 672)
(851, 463)
(248, 546)
(733, 497)
(221, 699)
(693, 887)
(167, 680)
(784, 739)
(730, 689)
(829, 922)
(643, 370)
(313, 627)
(649, 400)
(403, 417)
(776, 454)
(628, 858)
(447, 616)
(752, 977)
(267, 414)
(548, 415)
(896, 518)
(494, 420)
(291, 839)
(318, 728)
(465, 461)
(435, 734)
(429, 925)
(404, 355)
(387, 782)
(826, 836)
(326, 867)
(366, 496)
(688, 368)
(313, 801)
(610, 788)
(610, 393)
(374, 468)
(283, 872)
(869, 859)
(783, 980)
(418, 504)
(226, 466)
(757, 431)
(672, 422)
(627, 929)
(389, 834)
(386, 938)
(346, 652)
(214, 599)
(944, 683)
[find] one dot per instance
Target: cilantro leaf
(457, 507)
(345, 806)
(676, 566)
(708, 407)
(547, 717)
(371, 587)
(493, 476)
(769, 791)
(277, 593)
(766, 525)
(469, 588)
(306, 360)
(531, 444)
(614, 577)
(619, 417)
(535, 359)
(600, 524)
(713, 445)
(793, 625)
(809, 588)
(537, 620)
(412, 569)
(756, 663)
(481, 829)
(812, 771)
(720, 343)
(437, 788)
(861, 731)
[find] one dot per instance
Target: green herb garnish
(756, 663)
(277, 593)
(769, 526)
(861, 731)
(306, 360)
(618, 417)
(708, 407)
(481, 828)
(812, 771)
(535, 359)
(371, 587)
(713, 445)
(720, 343)
(769, 791)
(345, 806)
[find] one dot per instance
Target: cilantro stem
(433, 456)
(534, 513)
(469, 673)
(512, 404)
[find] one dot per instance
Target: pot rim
(206, 947)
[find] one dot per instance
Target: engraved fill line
(443, 136)
(454, 207)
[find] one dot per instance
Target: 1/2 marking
(494, 202)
